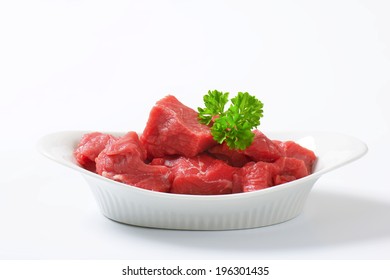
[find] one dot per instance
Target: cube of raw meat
(200, 175)
(124, 161)
(289, 169)
(281, 179)
(89, 147)
(232, 157)
(255, 176)
(294, 150)
(263, 149)
(174, 129)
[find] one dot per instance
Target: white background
(93, 65)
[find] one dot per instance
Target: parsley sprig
(233, 126)
(215, 102)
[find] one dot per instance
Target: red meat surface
(200, 175)
(89, 147)
(232, 157)
(124, 161)
(263, 149)
(294, 150)
(174, 129)
(281, 179)
(289, 169)
(255, 176)
(260, 175)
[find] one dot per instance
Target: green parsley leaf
(233, 126)
(215, 102)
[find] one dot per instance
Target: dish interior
(333, 150)
(136, 206)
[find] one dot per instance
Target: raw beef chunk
(89, 148)
(255, 176)
(200, 175)
(289, 169)
(174, 129)
(262, 149)
(232, 157)
(124, 161)
(294, 150)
